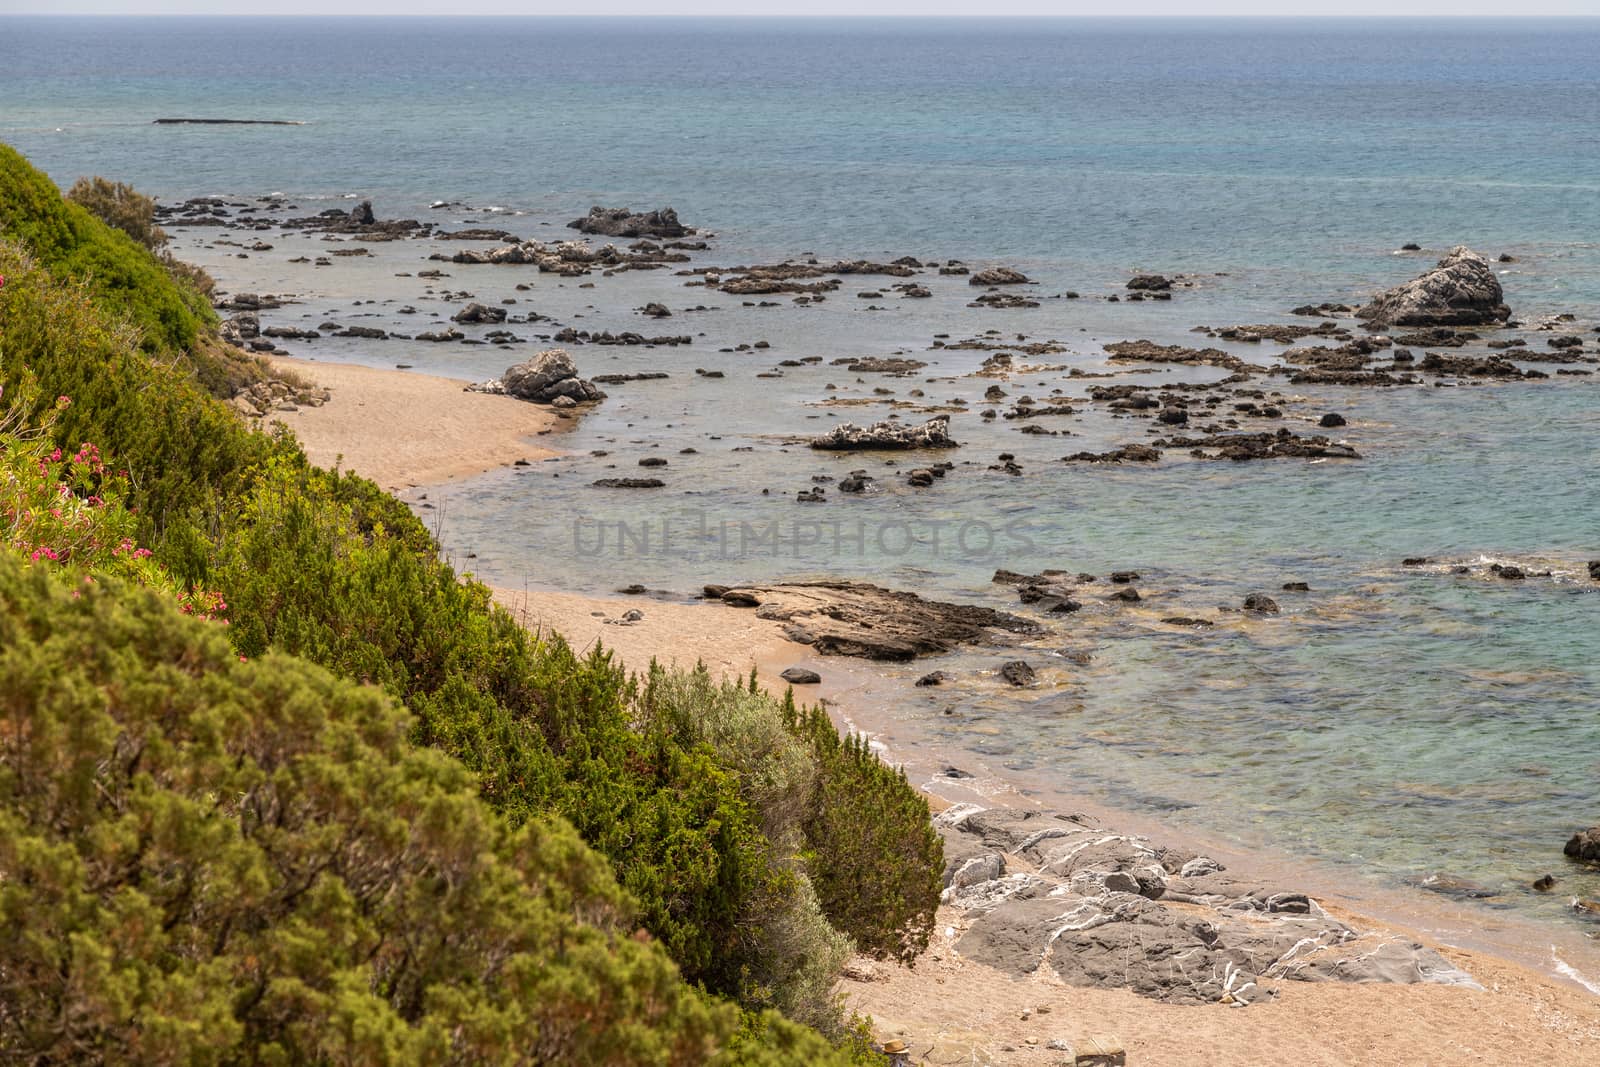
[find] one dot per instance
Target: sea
(1407, 725)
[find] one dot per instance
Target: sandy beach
(726, 640)
(406, 429)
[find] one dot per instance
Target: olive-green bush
(206, 859)
(71, 242)
(697, 824)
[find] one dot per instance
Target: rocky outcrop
(477, 313)
(935, 433)
(838, 618)
(998, 276)
(1242, 447)
(544, 379)
(1046, 893)
(1150, 283)
(1461, 290)
(621, 222)
(1585, 845)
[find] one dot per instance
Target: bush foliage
(121, 205)
(747, 837)
(210, 860)
(122, 274)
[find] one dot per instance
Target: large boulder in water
(544, 379)
(621, 222)
(1585, 845)
(1461, 290)
(935, 433)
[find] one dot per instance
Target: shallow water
(1395, 720)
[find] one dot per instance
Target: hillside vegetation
(340, 650)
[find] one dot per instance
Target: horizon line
(814, 17)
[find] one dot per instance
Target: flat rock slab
(1052, 893)
(857, 619)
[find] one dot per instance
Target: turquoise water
(1397, 720)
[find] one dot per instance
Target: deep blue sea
(1401, 722)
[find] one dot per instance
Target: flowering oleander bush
(64, 512)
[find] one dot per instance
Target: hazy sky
(797, 7)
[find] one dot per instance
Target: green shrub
(793, 955)
(121, 273)
(698, 824)
(876, 859)
(184, 453)
(120, 205)
(204, 860)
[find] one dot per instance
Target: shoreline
(407, 430)
(1521, 1011)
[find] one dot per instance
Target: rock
(1296, 587)
(880, 365)
(801, 676)
(620, 222)
(656, 311)
(1331, 420)
(479, 313)
(1126, 595)
(1096, 908)
(1544, 883)
(1451, 886)
(1134, 453)
(855, 482)
(1018, 673)
(1242, 447)
(1509, 573)
(998, 276)
(935, 433)
(1585, 845)
(1153, 283)
(1461, 290)
(629, 483)
(1124, 577)
(1098, 1052)
(1594, 570)
(933, 678)
(842, 618)
(548, 375)
(1189, 621)
(362, 214)
(1261, 604)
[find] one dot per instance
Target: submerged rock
(840, 618)
(935, 433)
(1461, 290)
(1018, 673)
